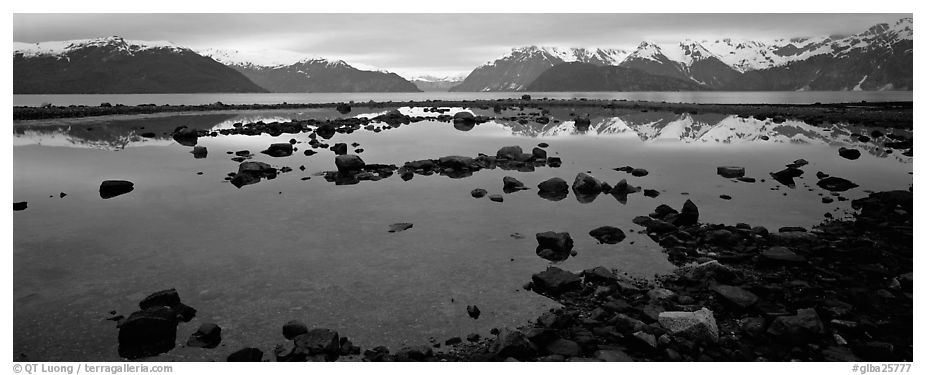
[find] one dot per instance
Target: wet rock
(582, 123)
(246, 355)
(608, 235)
(736, 295)
(511, 153)
(339, 148)
(787, 175)
(478, 193)
(114, 188)
(725, 197)
(657, 226)
(697, 325)
(199, 152)
(343, 108)
(513, 344)
(208, 336)
(554, 189)
(148, 135)
(554, 162)
(319, 341)
(731, 172)
(473, 311)
(279, 150)
(148, 333)
(19, 206)
(294, 328)
(746, 179)
(586, 184)
(398, 227)
(554, 246)
(781, 254)
(650, 193)
(511, 184)
(347, 164)
(849, 153)
(496, 198)
(555, 280)
(623, 188)
(805, 325)
(538, 154)
(563, 347)
(185, 136)
(639, 172)
(688, 215)
(456, 162)
(836, 184)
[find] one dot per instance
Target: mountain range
(879, 58)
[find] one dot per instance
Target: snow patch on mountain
(63, 47)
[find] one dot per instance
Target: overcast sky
(438, 44)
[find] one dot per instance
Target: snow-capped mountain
(115, 65)
(518, 68)
(287, 71)
(436, 83)
(879, 58)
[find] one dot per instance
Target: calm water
(750, 97)
(253, 258)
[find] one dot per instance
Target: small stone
(398, 227)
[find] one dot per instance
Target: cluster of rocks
(153, 329)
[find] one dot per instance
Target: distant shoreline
(884, 114)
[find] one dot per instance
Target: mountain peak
(63, 47)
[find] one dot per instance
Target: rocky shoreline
(886, 114)
(841, 291)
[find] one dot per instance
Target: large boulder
(511, 184)
(513, 344)
(731, 172)
(185, 136)
(339, 148)
(114, 188)
(148, 333)
(200, 152)
(555, 280)
(348, 164)
(553, 189)
(587, 184)
(511, 153)
(319, 341)
(464, 121)
(554, 246)
(695, 325)
(279, 150)
(608, 235)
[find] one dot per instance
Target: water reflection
(648, 127)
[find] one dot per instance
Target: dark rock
(736, 295)
(555, 280)
(731, 172)
(279, 150)
(582, 123)
(639, 172)
(478, 193)
(515, 345)
(538, 154)
(207, 336)
(836, 184)
(849, 153)
(650, 193)
(294, 328)
(473, 311)
(414, 353)
(563, 347)
(246, 355)
(199, 152)
(148, 333)
(688, 215)
(185, 136)
(725, 197)
(511, 184)
(586, 184)
(554, 162)
(19, 206)
(377, 354)
(613, 355)
(114, 188)
(453, 341)
(554, 246)
(623, 188)
(343, 108)
(398, 227)
(698, 325)
(339, 148)
(608, 235)
(660, 227)
(805, 325)
(511, 153)
(746, 179)
(543, 145)
(473, 337)
(781, 254)
(496, 198)
(554, 189)
(319, 341)
(347, 164)
(456, 162)
(787, 175)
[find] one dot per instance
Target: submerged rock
(114, 188)
(554, 246)
(836, 184)
(200, 152)
(608, 235)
